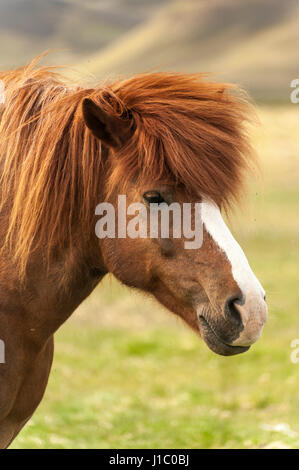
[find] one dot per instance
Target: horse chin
(215, 343)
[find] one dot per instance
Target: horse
(156, 138)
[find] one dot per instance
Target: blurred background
(126, 373)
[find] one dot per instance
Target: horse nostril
(231, 311)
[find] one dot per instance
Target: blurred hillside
(28, 27)
(252, 42)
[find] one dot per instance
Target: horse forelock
(187, 131)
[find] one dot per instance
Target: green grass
(128, 375)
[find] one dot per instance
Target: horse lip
(215, 343)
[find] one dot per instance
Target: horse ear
(111, 130)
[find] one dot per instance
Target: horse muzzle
(215, 343)
(240, 326)
(253, 316)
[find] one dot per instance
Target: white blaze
(254, 311)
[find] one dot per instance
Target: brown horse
(153, 138)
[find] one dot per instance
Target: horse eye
(153, 197)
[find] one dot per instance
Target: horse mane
(186, 130)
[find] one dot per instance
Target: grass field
(127, 374)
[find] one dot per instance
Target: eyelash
(153, 197)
